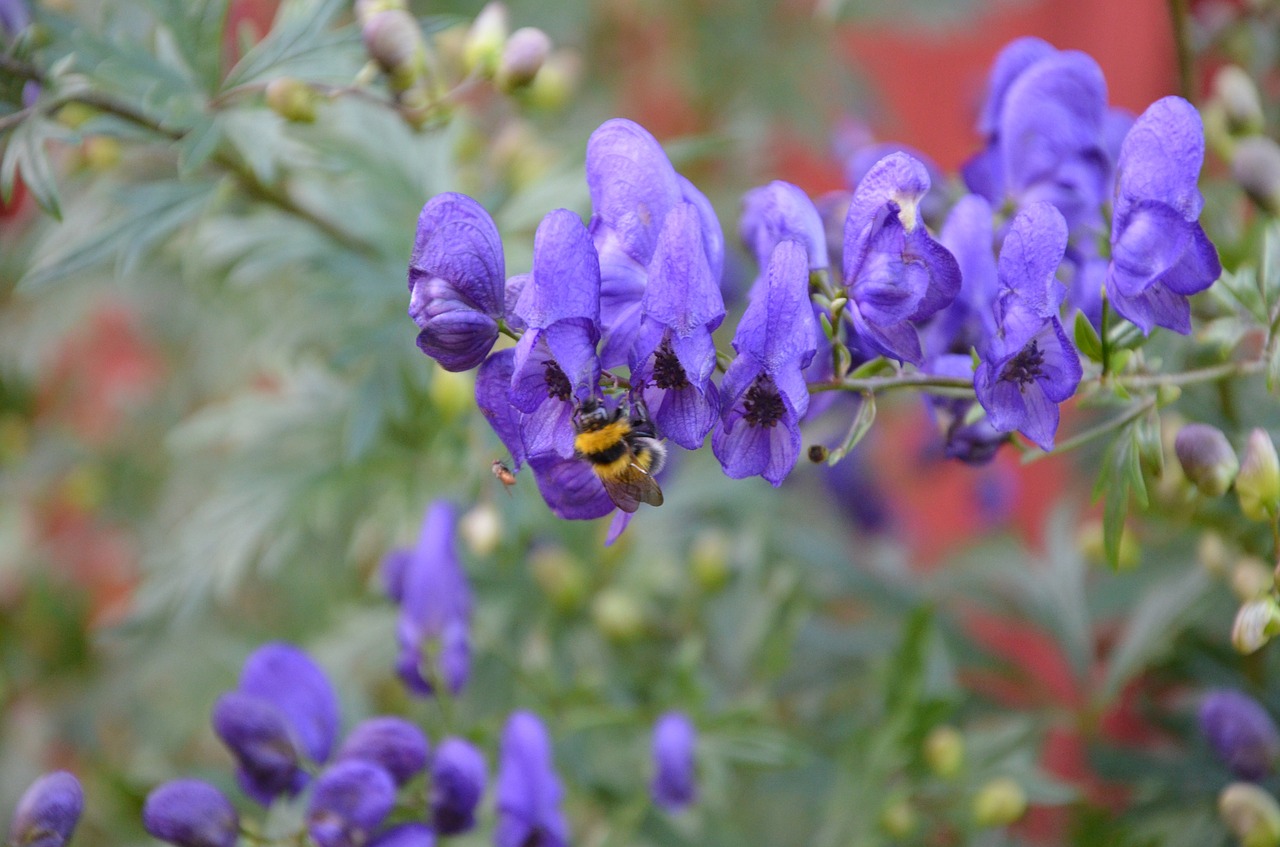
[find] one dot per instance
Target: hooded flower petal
(779, 211)
(632, 185)
(1013, 60)
(191, 813)
(1160, 158)
(570, 487)
(1029, 259)
(392, 743)
(565, 281)
(260, 737)
(712, 232)
(458, 776)
(493, 398)
(674, 742)
(348, 804)
(48, 812)
(288, 679)
(529, 792)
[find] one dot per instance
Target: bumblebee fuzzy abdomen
(604, 445)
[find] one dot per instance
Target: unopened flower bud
(1206, 458)
(452, 392)
(1241, 733)
(100, 152)
(48, 812)
(559, 575)
(1236, 91)
(898, 818)
(1251, 814)
(481, 529)
(999, 803)
(1213, 554)
(709, 560)
(366, 9)
(486, 40)
(392, 39)
(617, 615)
(555, 82)
(1250, 578)
(1258, 483)
(944, 751)
(1256, 167)
(292, 99)
(1255, 624)
(522, 57)
(191, 813)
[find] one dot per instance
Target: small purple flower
(674, 742)
(458, 777)
(396, 745)
(14, 16)
(1029, 366)
(405, 835)
(764, 389)
(895, 272)
(349, 802)
(1159, 252)
(861, 161)
(555, 364)
(456, 282)
(674, 355)
(435, 606)
(191, 813)
(48, 811)
(283, 709)
(974, 442)
(1241, 733)
(529, 791)
(780, 211)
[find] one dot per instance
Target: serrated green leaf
(1087, 340)
(24, 154)
(858, 428)
(198, 145)
(879, 366)
(299, 33)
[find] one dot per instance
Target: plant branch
(1130, 415)
(1214, 373)
(1180, 18)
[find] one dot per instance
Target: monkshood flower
(349, 802)
(456, 281)
(1241, 733)
(555, 365)
(764, 391)
(191, 813)
(396, 745)
(1159, 253)
(458, 777)
(284, 709)
(1029, 366)
(633, 188)
(967, 323)
(932, 205)
(14, 16)
(673, 355)
(781, 211)
(529, 792)
(405, 835)
(974, 442)
(435, 605)
(673, 747)
(48, 811)
(895, 272)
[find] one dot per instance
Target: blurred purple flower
(780, 211)
(764, 388)
(435, 605)
(895, 272)
(674, 742)
(1241, 733)
(529, 791)
(555, 364)
(348, 804)
(456, 281)
(1029, 366)
(47, 812)
(191, 813)
(393, 743)
(968, 322)
(974, 442)
(458, 777)
(283, 709)
(14, 16)
(405, 835)
(1159, 252)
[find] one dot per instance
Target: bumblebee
(624, 452)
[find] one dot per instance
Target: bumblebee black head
(591, 412)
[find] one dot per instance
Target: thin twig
(1180, 18)
(1134, 412)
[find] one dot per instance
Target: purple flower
(968, 322)
(1029, 366)
(974, 442)
(860, 162)
(764, 389)
(456, 288)
(348, 804)
(458, 776)
(435, 606)
(633, 189)
(14, 16)
(780, 211)
(191, 813)
(1241, 733)
(570, 487)
(405, 835)
(1159, 253)
(48, 811)
(529, 792)
(674, 740)
(674, 355)
(895, 272)
(555, 364)
(493, 398)
(283, 709)
(396, 745)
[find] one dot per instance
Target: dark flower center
(667, 370)
(1025, 366)
(763, 403)
(557, 383)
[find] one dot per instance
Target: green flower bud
(1206, 458)
(944, 751)
(617, 615)
(1251, 814)
(555, 82)
(1236, 92)
(292, 99)
(452, 392)
(486, 40)
(1256, 167)
(1213, 554)
(1258, 483)
(392, 39)
(1255, 624)
(366, 9)
(898, 818)
(1250, 578)
(522, 57)
(559, 575)
(709, 560)
(999, 803)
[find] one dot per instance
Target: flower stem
(1179, 17)
(1134, 412)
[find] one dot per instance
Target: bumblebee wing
(632, 487)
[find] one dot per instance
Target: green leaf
(1120, 475)
(24, 154)
(1087, 340)
(879, 366)
(858, 428)
(298, 42)
(198, 145)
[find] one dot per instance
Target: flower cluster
(629, 302)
